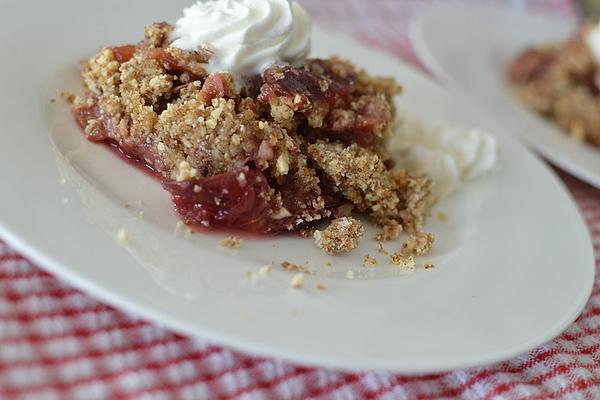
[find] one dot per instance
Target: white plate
(505, 280)
(469, 48)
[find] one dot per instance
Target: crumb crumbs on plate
(265, 270)
(231, 242)
(369, 261)
(290, 267)
(350, 274)
(320, 286)
(297, 281)
(69, 97)
(406, 262)
(328, 264)
(428, 265)
(252, 276)
(123, 236)
(382, 250)
(418, 244)
(441, 216)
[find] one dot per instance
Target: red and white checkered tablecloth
(59, 343)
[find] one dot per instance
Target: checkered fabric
(59, 343)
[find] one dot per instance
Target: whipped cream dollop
(449, 154)
(245, 36)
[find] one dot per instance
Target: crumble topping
(341, 236)
(293, 148)
(418, 244)
(389, 231)
(406, 262)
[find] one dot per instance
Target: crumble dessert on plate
(560, 81)
(247, 132)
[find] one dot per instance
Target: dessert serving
(243, 129)
(246, 132)
(561, 82)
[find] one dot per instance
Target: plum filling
(235, 199)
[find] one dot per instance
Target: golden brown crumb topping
(418, 244)
(290, 267)
(403, 261)
(292, 148)
(341, 236)
(231, 242)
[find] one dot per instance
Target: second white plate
(469, 49)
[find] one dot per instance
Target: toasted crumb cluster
(341, 236)
(291, 149)
(231, 242)
(369, 261)
(418, 244)
(290, 267)
(403, 261)
(559, 82)
(389, 231)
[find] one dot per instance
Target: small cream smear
(449, 154)
(245, 36)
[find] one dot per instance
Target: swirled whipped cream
(245, 36)
(449, 154)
